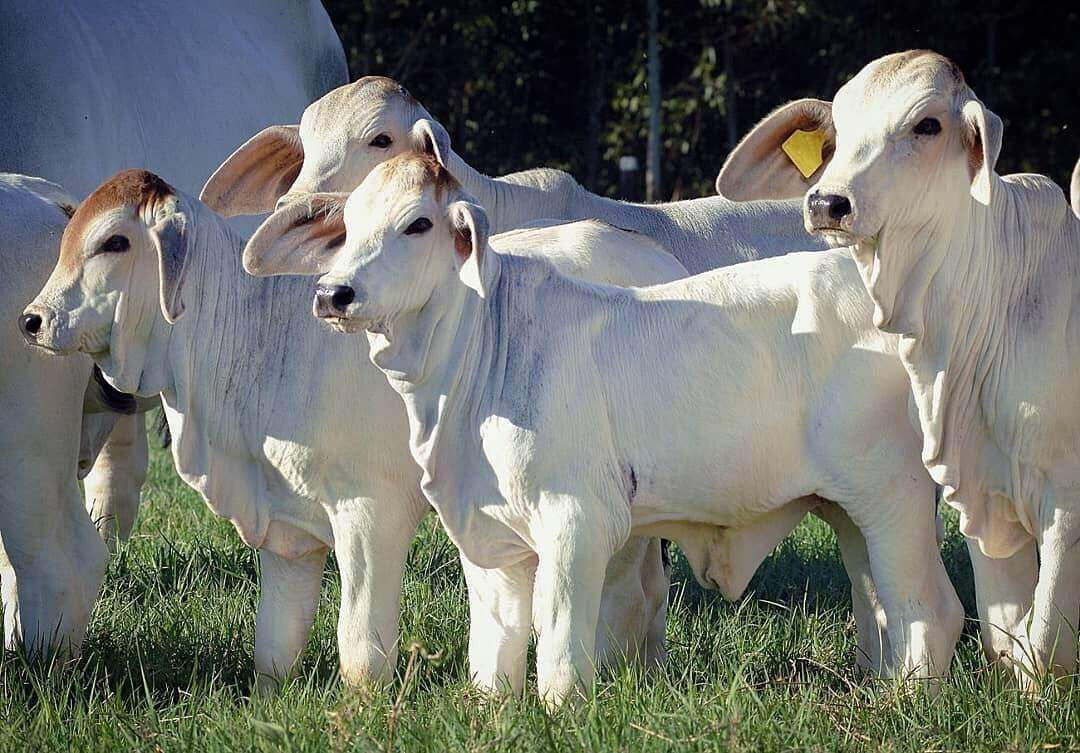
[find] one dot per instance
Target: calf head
(341, 137)
(385, 249)
(122, 260)
(906, 146)
(912, 141)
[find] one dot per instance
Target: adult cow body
(91, 88)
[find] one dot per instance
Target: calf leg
(288, 599)
(1004, 589)
(371, 540)
(633, 609)
(113, 486)
(1051, 645)
(924, 615)
(500, 621)
(574, 554)
(870, 622)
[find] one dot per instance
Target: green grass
(167, 666)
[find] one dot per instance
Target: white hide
(51, 559)
(341, 138)
(553, 418)
(979, 274)
(285, 428)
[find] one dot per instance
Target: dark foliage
(525, 83)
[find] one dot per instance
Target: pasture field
(167, 666)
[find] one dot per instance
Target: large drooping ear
(469, 224)
(781, 156)
(300, 238)
(430, 137)
(1074, 190)
(982, 137)
(170, 238)
(257, 174)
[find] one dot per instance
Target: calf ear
(171, 242)
(982, 137)
(432, 138)
(257, 174)
(469, 225)
(300, 238)
(779, 158)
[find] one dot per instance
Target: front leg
(371, 540)
(574, 550)
(1004, 589)
(1051, 646)
(500, 621)
(288, 599)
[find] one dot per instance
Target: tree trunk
(654, 154)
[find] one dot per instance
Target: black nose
(30, 324)
(334, 299)
(827, 210)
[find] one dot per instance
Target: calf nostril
(839, 207)
(30, 324)
(341, 296)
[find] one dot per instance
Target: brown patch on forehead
(892, 66)
(419, 168)
(138, 189)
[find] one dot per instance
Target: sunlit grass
(168, 665)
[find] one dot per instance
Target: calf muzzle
(827, 211)
(333, 300)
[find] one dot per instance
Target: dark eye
(382, 141)
(421, 225)
(115, 244)
(928, 127)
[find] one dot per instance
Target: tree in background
(526, 83)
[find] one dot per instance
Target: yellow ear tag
(803, 148)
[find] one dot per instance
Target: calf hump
(1074, 190)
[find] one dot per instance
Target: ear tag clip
(803, 148)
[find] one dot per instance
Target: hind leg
(870, 620)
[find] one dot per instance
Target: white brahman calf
(346, 133)
(979, 275)
(51, 558)
(283, 427)
(553, 418)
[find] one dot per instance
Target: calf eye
(421, 225)
(928, 127)
(382, 141)
(115, 244)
